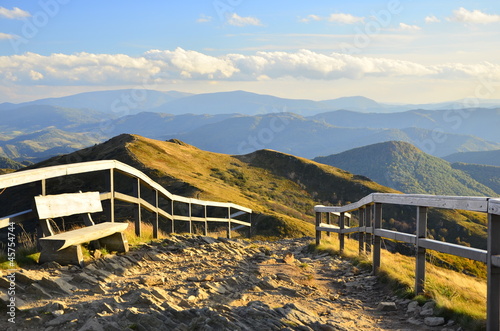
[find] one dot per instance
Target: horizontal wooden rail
(371, 232)
(395, 235)
(234, 211)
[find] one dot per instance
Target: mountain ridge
(406, 168)
(281, 189)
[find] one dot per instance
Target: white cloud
(432, 19)
(310, 18)
(158, 66)
(336, 18)
(14, 13)
(475, 16)
(7, 36)
(407, 27)
(35, 75)
(190, 64)
(236, 20)
(204, 19)
(345, 18)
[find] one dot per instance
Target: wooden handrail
(370, 226)
(42, 174)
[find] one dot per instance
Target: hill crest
(404, 167)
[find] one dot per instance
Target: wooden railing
(370, 233)
(206, 211)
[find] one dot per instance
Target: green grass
(458, 296)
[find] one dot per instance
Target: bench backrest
(67, 204)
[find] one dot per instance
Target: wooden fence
(163, 204)
(371, 232)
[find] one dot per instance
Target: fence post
(361, 233)
(157, 219)
(328, 221)
(205, 232)
(318, 233)
(493, 289)
(45, 228)
(377, 224)
(250, 227)
(137, 193)
(109, 205)
(190, 213)
(341, 235)
(228, 222)
(368, 223)
(420, 258)
(173, 218)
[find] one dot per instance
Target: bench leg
(69, 255)
(116, 242)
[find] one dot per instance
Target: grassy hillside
(281, 189)
(404, 167)
(46, 143)
(484, 174)
(6, 163)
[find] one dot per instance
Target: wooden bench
(65, 247)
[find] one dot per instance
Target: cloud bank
(475, 16)
(164, 65)
(14, 13)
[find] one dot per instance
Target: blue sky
(391, 51)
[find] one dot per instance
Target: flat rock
(386, 306)
(434, 321)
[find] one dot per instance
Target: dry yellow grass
(459, 296)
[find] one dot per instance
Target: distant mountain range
(132, 101)
(485, 157)
(238, 122)
(117, 102)
(404, 167)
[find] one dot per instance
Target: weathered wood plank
(82, 235)
(17, 218)
(394, 235)
(495, 260)
(50, 206)
(453, 249)
(241, 222)
(494, 206)
(423, 200)
(328, 229)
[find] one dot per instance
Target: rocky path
(201, 283)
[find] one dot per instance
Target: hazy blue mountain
(404, 167)
(117, 102)
(239, 102)
(294, 134)
(441, 144)
(158, 125)
(37, 117)
(45, 143)
(357, 103)
(479, 122)
(482, 157)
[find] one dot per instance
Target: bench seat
(65, 247)
(82, 235)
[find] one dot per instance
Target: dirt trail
(201, 283)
